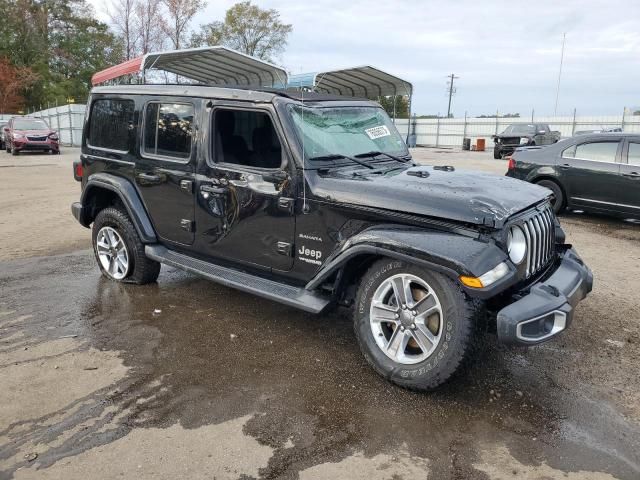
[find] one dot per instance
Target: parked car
(317, 203)
(523, 134)
(30, 134)
(3, 124)
(595, 172)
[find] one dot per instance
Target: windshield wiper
(338, 156)
(376, 153)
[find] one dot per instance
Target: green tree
(61, 42)
(402, 106)
(248, 29)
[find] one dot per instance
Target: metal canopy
(365, 81)
(217, 65)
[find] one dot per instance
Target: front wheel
(14, 152)
(497, 154)
(119, 250)
(413, 326)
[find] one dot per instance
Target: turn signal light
(512, 163)
(473, 282)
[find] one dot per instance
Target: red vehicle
(28, 133)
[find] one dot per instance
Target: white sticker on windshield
(378, 132)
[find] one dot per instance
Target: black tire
(497, 154)
(456, 328)
(14, 152)
(557, 201)
(141, 269)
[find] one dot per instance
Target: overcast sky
(506, 53)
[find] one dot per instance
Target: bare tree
(122, 15)
(150, 25)
(180, 13)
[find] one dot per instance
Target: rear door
(629, 196)
(164, 170)
(591, 170)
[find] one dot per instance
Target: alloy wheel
(112, 253)
(406, 318)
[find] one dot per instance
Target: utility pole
(564, 37)
(452, 90)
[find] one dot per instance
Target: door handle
(149, 178)
(565, 166)
(211, 189)
(632, 174)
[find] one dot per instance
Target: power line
(452, 90)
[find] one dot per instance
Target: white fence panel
(449, 132)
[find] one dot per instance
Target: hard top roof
(257, 94)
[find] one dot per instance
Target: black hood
(439, 192)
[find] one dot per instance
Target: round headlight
(516, 245)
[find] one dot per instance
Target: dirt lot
(187, 379)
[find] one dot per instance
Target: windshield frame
(293, 130)
(38, 120)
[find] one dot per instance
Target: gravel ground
(188, 379)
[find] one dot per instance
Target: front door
(591, 173)
(245, 196)
(629, 195)
(165, 168)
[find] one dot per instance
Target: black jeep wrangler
(314, 201)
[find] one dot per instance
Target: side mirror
(541, 132)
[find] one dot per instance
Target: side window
(634, 153)
(569, 152)
(168, 129)
(110, 124)
(245, 137)
(597, 151)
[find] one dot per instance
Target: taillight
(512, 163)
(77, 171)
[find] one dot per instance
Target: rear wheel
(414, 326)
(557, 197)
(119, 250)
(14, 152)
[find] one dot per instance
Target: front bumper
(549, 306)
(33, 145)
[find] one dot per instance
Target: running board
(262, 287)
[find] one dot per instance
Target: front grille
(511, 140)
(539, 231)
(37, 139)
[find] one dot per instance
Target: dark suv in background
(30, 134)
(314, 201)
(523, 134)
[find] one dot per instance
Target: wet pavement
(285, 394)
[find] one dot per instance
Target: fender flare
(451, 254)
(129, 197)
